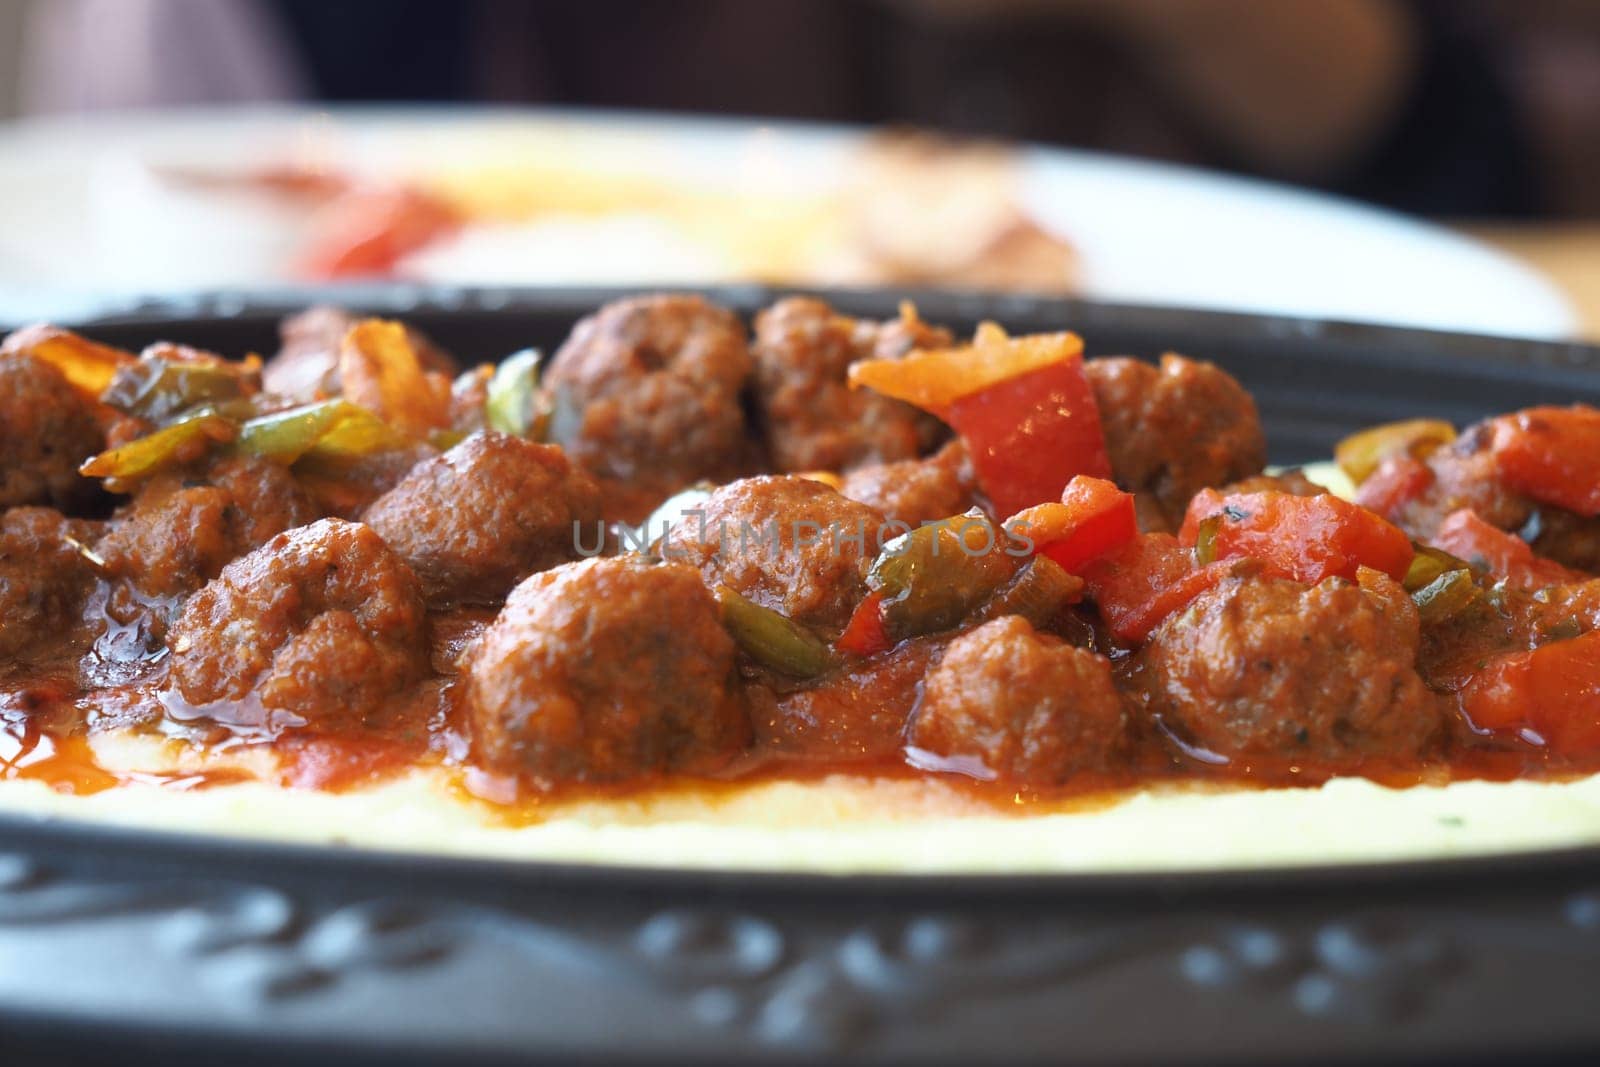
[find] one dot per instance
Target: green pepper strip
(1446, 597)
(934, 576)
(179, 442)
(1038, 593)
(157, 389)
(332, 429)
(511, 404)
(560, 417)
(1427, 565)
(771, 639)
(1205, 543)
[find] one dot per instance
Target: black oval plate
(147, 946)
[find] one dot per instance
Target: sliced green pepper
(332, 429)
(1446, 597)
(180, 442)
(445, 440)
(562, 417)
(513, 402)
(772, 639)
(1427, 565)
(1205, 542)
(156, 389)
(1039, 593)
(936, 575)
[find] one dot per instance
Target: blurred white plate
(82, 221)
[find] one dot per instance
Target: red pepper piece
(866, 634)
(1465, 535)
(1093, 518)
(1137, 586)
(1549, 697)
(1397, 482)
(1306, 538)
(1549, 454)
(1029, 435)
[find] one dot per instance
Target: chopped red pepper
(1093, 518)
(1023, 405)
(1029, 435)
(1549, 454)
(935, 378)
(368, 232)
(866, 634)
(1397, 482)
(1503, 555)
(1151, 577)
(1549, 696)
(1306, 538)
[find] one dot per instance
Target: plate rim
(361, 119)
(274, 948)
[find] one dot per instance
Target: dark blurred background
(1481, 108)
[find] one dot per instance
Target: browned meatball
(1009, 702)
(604, 670)
(322, 624)
(491, 511)
(786, 542)
(180, 531)
(307, 364)
(1273, 672)
(646, 392)
(43, 578)
(1175, 429)
(1566, 537)
(47, 429)
(915, 491)
(812, 418)
(1465, 475)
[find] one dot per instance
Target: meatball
(915, 491)
(322, 624)
(604, 670)
(44, 579)
(647, 392)
(1272, 671)
(307, 364)
(47, 429)
(1570, 539)
(179, 532)
(1465, 475)
(1174, 430)
(1024, 706)
(786, 542)
(813, 419)
(480, 518)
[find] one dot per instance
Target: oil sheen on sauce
(48, 720)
